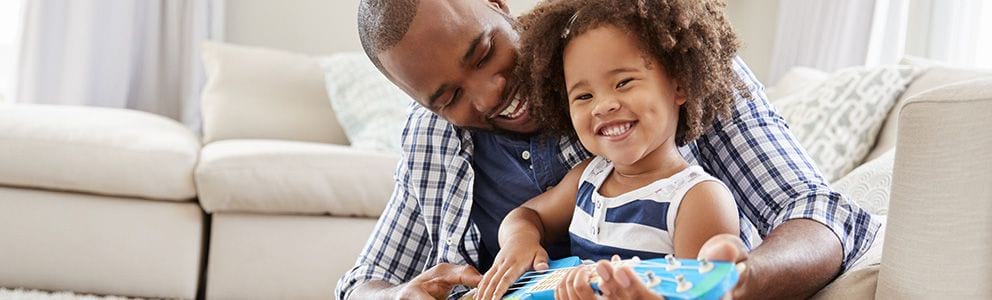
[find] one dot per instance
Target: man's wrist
(800, 251)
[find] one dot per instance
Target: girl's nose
(606, 106)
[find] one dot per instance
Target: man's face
(457, 59)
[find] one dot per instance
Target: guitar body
(669, 277)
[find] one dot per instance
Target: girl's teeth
(616, 130)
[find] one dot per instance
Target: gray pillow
(837, 120)
(369, 107)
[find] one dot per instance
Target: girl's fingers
(581, 284)
(506, 281)
(491, 286)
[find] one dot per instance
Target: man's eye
(487, 55)
(624, 82)
(583, 97)
(454, 97)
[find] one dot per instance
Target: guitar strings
(641, 276)
(546, 273)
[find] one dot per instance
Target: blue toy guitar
(670, 277)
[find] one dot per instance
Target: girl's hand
(511, 261)
(620, 282)
(575, 285)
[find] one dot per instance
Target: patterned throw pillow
(369, 107)
(838, 120)
(870, 184)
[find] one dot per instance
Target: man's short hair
(382, 24)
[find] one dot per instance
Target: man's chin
(516, 130)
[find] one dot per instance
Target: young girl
(634, 81)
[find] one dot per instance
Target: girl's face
(622, 103)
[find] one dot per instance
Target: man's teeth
(513, 110)
(615, 130)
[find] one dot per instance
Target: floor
(22, 294)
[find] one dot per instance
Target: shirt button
(525, 155)
(450, 242)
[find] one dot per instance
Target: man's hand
(620, 282)
(728, 247)
(437, 282)
(511, 261)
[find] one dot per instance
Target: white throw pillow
(838, 120)
(870, 184)
(370, 108)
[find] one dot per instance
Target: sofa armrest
(939, 234)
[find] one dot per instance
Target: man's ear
(500, 5)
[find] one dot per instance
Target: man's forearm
(376, 289)
(796, 260)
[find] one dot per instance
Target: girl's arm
(547, 215)
(708, 209)
(523, 231)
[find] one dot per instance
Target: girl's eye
(624, 82)
(583, 97)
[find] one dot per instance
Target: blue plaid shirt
(427, 220)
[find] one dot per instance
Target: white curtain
(140, 55)
(832, 34)
(822, 34)
(957, 32)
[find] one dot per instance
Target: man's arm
(390, 265)
(811, 232)
(395, 241)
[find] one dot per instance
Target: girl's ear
(500, 5)
(679, 95)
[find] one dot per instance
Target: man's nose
(486, 91)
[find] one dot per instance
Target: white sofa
(101, 201)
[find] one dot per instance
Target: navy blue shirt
(508, 172)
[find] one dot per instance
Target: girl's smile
(622, 103)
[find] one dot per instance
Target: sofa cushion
(270, 176)
(97, 150)
(930, 78)
(371, 109)
(838, 120)
(257, 93)
(869, 185)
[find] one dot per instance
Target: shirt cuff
(854, 227)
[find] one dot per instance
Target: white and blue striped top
(637, 223)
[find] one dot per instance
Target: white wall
(320, 27)
(309, 26)
(755, 23)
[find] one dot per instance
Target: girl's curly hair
(692, 39)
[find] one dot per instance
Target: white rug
(22, 294)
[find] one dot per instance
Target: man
(472, 153)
